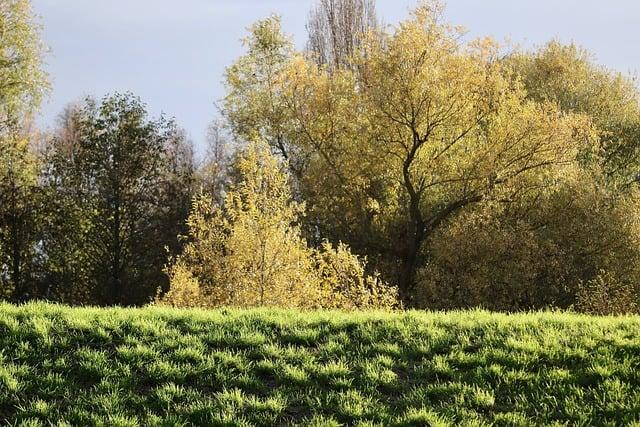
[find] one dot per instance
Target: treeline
(378, 167)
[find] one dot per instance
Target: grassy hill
(127, 367)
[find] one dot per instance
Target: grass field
(127, 367)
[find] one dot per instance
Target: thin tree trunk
(16, 256)
(116, 280)
(407, 270)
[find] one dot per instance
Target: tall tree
(126, 181)
(18, 216)
(22, 80)
(22, 85)
(337, 28)
(425, 127)
(253, 106)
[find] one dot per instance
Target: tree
(253, 106)
(249, 251)
(22, 80)
(568, 76)
(564, 246)
(426, 128)
(123, 183)
(337, 28)
(22, 85)
(18, 216)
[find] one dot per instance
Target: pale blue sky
(172, 53)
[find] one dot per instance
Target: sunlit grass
(158, 366)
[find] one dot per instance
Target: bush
(249, 252)
(547, 252)
(346, 285)
(184, 291)
(605, 295)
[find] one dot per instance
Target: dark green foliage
(157, 366)
(120, 187)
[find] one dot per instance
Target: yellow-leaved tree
(568, 76)
(249, 251)
(459, 173)
(424, 129)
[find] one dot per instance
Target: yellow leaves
(567, 76)
(185, 289)
(345, 283)
(250, 251)
(423, 126)
(538, 249)
(266, 36)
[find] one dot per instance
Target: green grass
(128, 367)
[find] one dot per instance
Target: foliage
(22, 85)
(533, 254)
(249, 251)
(19, 215)
(159, 366)
(423, 128)
(22, 80)
(466, 177)
(568, 75)
(604, 294)
(253, 107)
(345, 283)
(120, 186)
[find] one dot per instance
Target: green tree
(254, 107)
(123, 184)
(18, 217)
(22, 80)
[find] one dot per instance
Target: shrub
(605, 295)
(249, 251)
(547, 252)
(184, 291)
(345, 283)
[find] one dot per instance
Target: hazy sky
(172, 53)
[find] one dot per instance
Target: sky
(173, 53)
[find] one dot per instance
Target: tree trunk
(116, 280)
(16, 256)
(417, 230)
(415, 239)
(409, 261)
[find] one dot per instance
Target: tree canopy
(424, 127)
